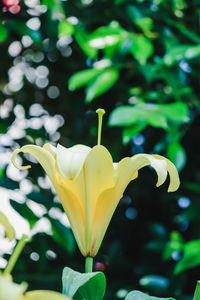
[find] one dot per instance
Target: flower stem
(88, 264)
(14, 257)
(100, 113)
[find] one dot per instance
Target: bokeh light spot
(184, 202)
(15, 48)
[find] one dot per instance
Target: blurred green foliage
(139, 60)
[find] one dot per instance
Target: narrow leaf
(101, 84)
(82, 39)
(141, 49)
(124, 116)
(82, 78)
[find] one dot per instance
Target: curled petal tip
(173, 188)
(173, 173)
(174, 182)
(13, 160)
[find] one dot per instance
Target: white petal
(70, 160)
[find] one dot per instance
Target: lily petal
(173, 173)
(98, 176)
(70, 160)
(126, 171)
(43, 157)
(70, 194)
(51, 149)
(98, 173)
(159, 165)
(44, 295)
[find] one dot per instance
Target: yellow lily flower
(10, 290)
(90, 185)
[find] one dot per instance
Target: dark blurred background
(140, 61)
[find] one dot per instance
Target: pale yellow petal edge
(45, 295)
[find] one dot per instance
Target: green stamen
(100, 113)
(14, 257)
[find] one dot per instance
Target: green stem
(88, 264)
(14, 257)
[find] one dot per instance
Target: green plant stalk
(88, 264)
(15, 255)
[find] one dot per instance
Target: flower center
(100, 113)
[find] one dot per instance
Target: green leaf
(143, 112)
(108, 36)
(191, 257)
(87, 286)
(3, 33)
(101, 84)
(146, 24)
(180, 52)
(125, 116)
(65, 28)
(156, 119)
(25, 212)
(104, 37)
(141, 48)
(62, 235)
(82, 78)
(177, 155)
(156, 115)
(197, 291)
(177, 111)
(136, 16)
(82, 39)
(137, 295)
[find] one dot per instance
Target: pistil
(100, 113)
